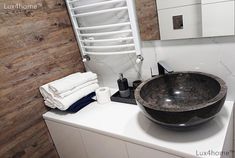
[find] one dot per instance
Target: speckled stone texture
(181, 99)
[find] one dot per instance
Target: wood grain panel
(36, 46)
(148, 19)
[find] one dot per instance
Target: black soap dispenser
(124, 89)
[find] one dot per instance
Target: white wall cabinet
(191, 17)
(198, 18)
(166, 4)
(73, 142)
(218, 19)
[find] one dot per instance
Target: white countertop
(126, 122)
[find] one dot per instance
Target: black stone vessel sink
(181, 99)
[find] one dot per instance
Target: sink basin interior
(180, 90)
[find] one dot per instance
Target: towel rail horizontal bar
(107, 40)
(122, 35)
(108, 47)
(105, 33)
(100, 11)
(103, 26)
(97, 4)
(111, 53)
(73, 1)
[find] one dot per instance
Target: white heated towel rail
(105, 27)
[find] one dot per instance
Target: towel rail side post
(134, 26)
(75, 26)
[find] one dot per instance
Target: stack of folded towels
(70, 93)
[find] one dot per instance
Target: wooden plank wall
(36, 47)
(148, 19)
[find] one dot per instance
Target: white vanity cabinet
(73, 142)
(137, 151)
(98, 131)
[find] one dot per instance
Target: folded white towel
(65, 94)
(49, 103)
(46, 93)
(65, 103)
(70, 82)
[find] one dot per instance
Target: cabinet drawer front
(100, 146)
(137, 151)
(67, 140)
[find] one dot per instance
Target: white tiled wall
(211, 55)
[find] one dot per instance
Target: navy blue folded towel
(78, 105)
